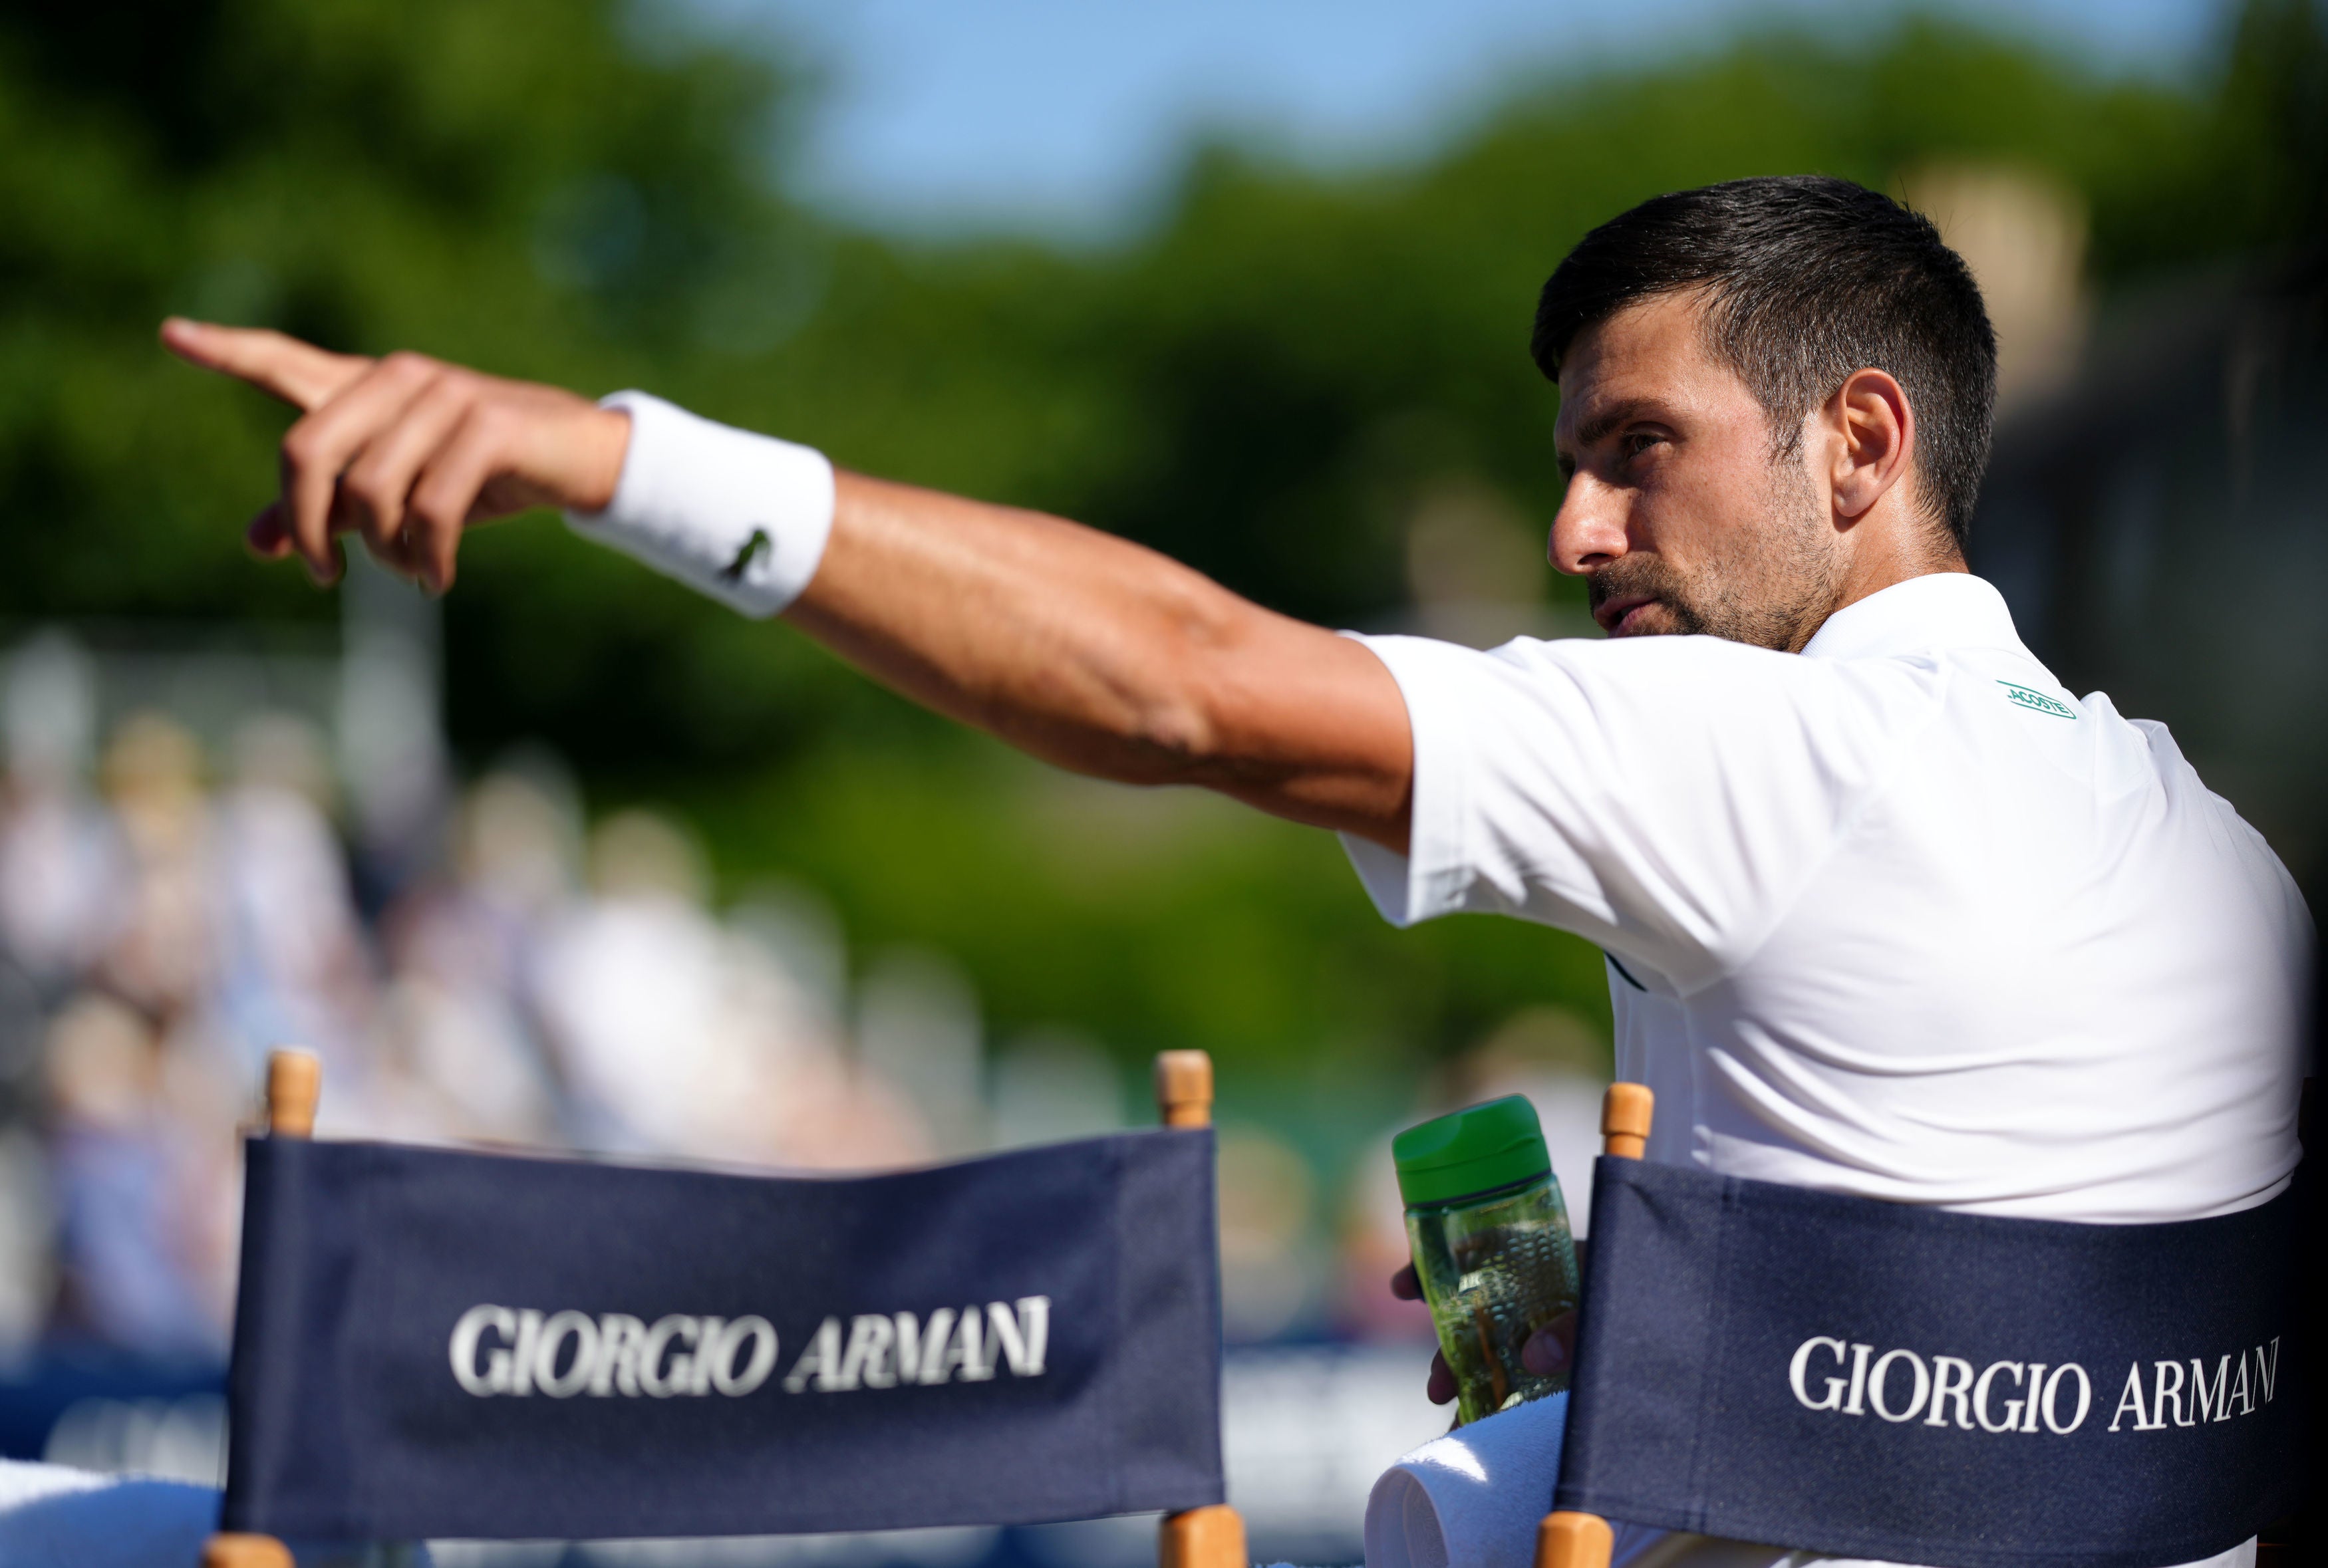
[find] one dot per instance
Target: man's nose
(1588, 530)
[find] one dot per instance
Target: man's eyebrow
(1606, 422)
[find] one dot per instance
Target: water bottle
(1488, 1232)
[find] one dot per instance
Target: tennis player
(1888, 910)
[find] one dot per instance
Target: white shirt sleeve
(1665, 798)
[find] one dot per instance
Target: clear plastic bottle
(1488, 1232)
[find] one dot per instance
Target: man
(1888, 912)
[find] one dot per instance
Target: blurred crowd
(172, 909)
(169, 913)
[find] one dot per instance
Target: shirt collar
(1937, 610)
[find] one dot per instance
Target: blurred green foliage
(1263, 383)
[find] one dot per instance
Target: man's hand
(1546, 1352)
(406, 450)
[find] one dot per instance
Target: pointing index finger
(299, 373)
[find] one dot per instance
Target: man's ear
(1877, 439)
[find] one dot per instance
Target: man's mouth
(1617, 614)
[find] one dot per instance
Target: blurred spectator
(677, 1035)
(1373, 1248)
(918, 1028)
(58, 861)
(1268, 1266)
(455, 1046)
(162, 951)
(127, 1224)
(27, 1240)
(826, 1111)
(629, 985)
(291, 963)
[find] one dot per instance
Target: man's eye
(1640, 441)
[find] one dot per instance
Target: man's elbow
(1179, 706)
(1176, 741)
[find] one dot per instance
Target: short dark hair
(1806, 279)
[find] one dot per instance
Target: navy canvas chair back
(1874, 1380)
(438, 1343)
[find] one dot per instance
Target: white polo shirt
(1897, 918)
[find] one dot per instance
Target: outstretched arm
(1085, 650)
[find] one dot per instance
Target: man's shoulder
(1717, 679)
(1659, 658)
(1675, 684)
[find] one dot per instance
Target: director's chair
(1864, 1379)
(487, 1418)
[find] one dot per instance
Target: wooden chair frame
(1207, 1537)
(1566, 1538)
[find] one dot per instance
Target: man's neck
(1872, 570)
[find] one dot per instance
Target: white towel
(54, 1516)
(1472, 1499)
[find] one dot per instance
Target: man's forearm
(1105, 657)
(1083, 649)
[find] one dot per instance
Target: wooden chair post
(295, 1082)
(1184, 1088)
(1566, 1538)
(1625, 1112)
(1212, 1536)
(229, 1550)
(1207, 1537)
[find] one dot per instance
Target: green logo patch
(755, 547)
(2037, 701)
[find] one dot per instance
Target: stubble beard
(1770, 586)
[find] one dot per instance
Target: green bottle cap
(1475, 1150)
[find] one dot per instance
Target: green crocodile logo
(2037, 701)
(755, 547)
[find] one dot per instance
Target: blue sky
(1063, 116)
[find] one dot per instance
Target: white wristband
(740, 517)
